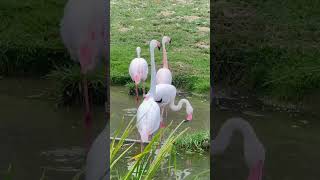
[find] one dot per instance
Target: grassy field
(29, 37)
(134, 23)
(275, 45)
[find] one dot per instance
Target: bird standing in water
(82, 34)
(148, 113)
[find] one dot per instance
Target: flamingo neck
(138, 50)
(153, 74)
(223, 138)
(177, 107)
(164, 56)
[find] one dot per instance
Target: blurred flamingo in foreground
(138, 71)
(254, 151)
(148, 113)
(82, 33)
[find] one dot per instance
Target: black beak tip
(159, 48)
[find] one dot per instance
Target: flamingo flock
(162, 93)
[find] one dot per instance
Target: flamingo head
(154, 44)
(189, 117)
(166, 39)
(256, 171)
(189, 112)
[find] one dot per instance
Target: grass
(274, 41)
(194, 142)
(134, 23)
(30, 40)
(68, 85)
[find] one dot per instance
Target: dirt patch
(203, 29)
(166, 13)
(191, 18)
(202, 45)
(125, 29)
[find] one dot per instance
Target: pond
(35, 135)
(291, 141)
(124, 107)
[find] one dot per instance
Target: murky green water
(35, 135)
(124, 106)
(292, 143)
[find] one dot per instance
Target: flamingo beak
(170, 41)
(256, 172)
(189, 117)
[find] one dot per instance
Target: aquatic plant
(194, 142)
(132, 91)
(146, 164)
(68, 83)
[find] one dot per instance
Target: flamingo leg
(161, 120)
(144, 91)
(166, 112)
(88, 120)
(141, 146)
(137, 94)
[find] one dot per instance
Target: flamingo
(82, 33)
(164, 75)
(148, 113)
(165, 96)
(254, 151)
(138, 71)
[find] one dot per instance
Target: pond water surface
(124, 107)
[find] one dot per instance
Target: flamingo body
(164, 76)
(82, 32)
(138, 70)
(148, 118)
(165, 96)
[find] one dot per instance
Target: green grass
(30, 40)
(274, 40)
(134, 23)
(194, 142)
(68, 82)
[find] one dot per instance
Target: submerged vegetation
(268, 46)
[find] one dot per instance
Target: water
(35, 135)
(291, 140)
(124, 106)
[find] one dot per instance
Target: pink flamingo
(254, 151)
(164, 75)
(165, 96)
(138, 71)
(82, 33)
(148, 113)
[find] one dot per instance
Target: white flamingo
(82, 32)
(148, 113)
(164, 75)
(138, 70)
(165, 96)
(254, 151)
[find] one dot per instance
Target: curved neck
(177, 107)
(153, 74)
(138, 52)
(223, 138)
(164, 56)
